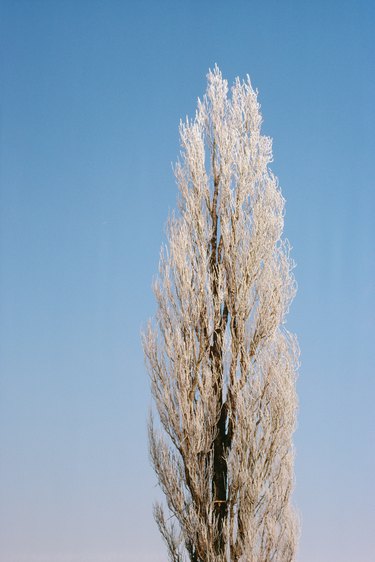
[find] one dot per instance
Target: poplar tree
(222, 364)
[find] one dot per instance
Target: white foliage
(222, 365)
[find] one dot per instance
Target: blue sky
(91, 96)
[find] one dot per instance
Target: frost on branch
(221, 363)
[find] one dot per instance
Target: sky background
(91, 97)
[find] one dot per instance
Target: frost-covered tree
(222, 364)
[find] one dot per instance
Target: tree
(221, 363)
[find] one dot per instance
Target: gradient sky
(91, 96)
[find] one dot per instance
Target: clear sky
(91, 96)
